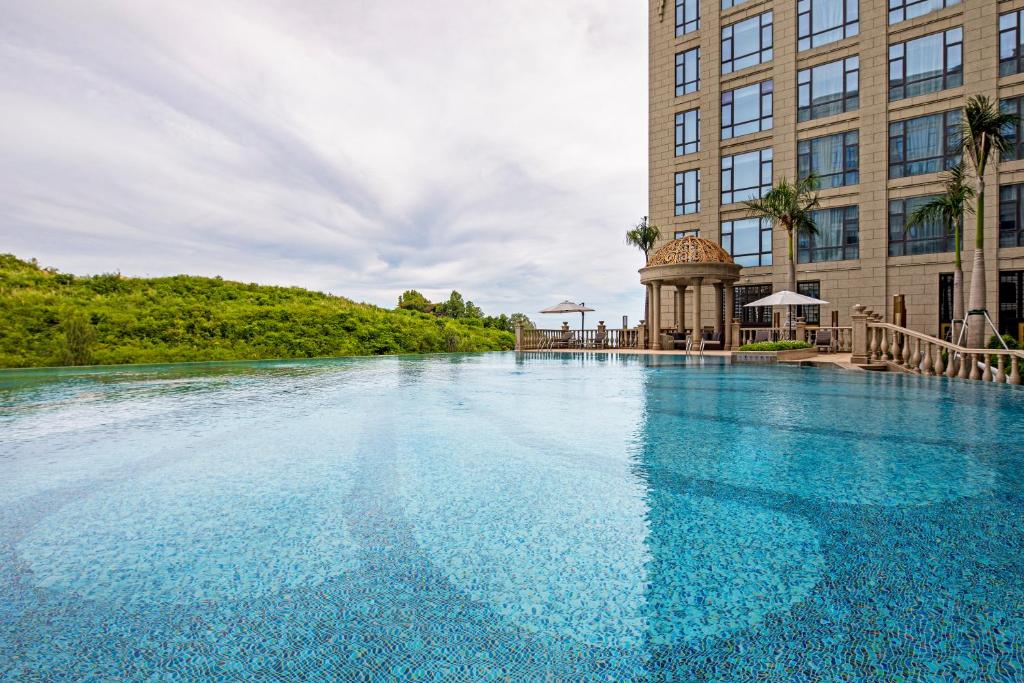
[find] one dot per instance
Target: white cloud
(358, 148)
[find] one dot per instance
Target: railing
(841, 338)
(533, 340)
(921, 353)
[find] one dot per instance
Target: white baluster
(926, 368)
(975, 373)
(940, 365)
(1001, 371)
(1014, 371)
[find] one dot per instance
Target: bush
(994, 343)
(775, 346)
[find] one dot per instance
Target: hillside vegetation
(52, 318)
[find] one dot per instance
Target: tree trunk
(976, 323)
(792, 261)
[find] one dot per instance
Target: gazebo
(690, 262)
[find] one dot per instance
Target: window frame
(1014, 134)
(689, 232)
(849, 250)
(764, 52)
(850, 100)
(751, 316)
(684, 86)
(805, 156)
(951, 77)
(763, 121)
(808, 39)
(1015, 33)
(765, 160)
(1013, 237)
(810, 313)
(908, 245)
(947, 155)
(683, 145)
(686, 25)
(763, 255)
(683, 206)
(900, 8)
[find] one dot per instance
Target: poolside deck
(841, 360)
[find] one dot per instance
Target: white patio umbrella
(786, 298)
(570, 307)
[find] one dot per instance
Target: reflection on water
(508, 516)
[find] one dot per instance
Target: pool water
(503, 517)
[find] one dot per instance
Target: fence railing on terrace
(840, 338)
(536, 339)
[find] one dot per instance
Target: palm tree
(949, 209)
(983, 131)
(789, 205)
(644, 236)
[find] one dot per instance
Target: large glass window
(746, 176)
(1011, 215)
(687, 132)
(838, 237)
(687, 71)
(747, 43)
(680, 234)
(1011, 43)
(820, 22)
(1015, 131)
(902, 10)
(758, 316)
(687, 192)
(926, 64)
(930, 237)
(747, 110)
(748, 241)
(828, 89)
(926, 144)
(810, 314)
(1011, 303)
(726, 4)
(834, 158)
(687, 16)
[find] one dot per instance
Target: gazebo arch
(690, 262)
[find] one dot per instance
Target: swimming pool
(503, 517)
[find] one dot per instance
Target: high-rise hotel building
(867, 95)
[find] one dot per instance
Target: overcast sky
(351, 146)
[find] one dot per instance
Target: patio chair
(679, 340)
(564, 341)
(823, 340)
(762, 336)
(600, 340)
(711, 341)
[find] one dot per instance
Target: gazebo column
(719, 322)
(656, 317)
(697, 331)
(680, 308)
(728, 317)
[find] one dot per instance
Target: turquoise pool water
(509, 518)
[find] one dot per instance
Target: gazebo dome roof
(689, 249)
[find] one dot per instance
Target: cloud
(357, 148)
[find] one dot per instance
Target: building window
(727, 4)
(945, 305)
(687, 132)
(687, 16)
(746, 176)
(747, 43)
(687, 71)
(820, 22)
(833, 158)
(1014, 106)
(758, 316)
(680, 234)
(828, 89)
(902, 10)
(930, 237)
(926, 64)
(1011, 49)
(838, 237)
(810, 314)
(1011, 215)
(687, 192)
(926, 144)
(748, 241)
(1011, 303)
(747, 110)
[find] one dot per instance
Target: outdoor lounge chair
(711, 341)
(565, 341)
(679, 340)
(823, 340)
(599, 340)
(762, 336)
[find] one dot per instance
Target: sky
(350, 146)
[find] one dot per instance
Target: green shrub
(775, 346)
(1009, 339)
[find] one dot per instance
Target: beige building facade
(866, 95)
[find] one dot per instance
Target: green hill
(52, 318)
